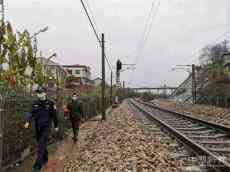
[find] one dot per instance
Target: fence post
(1, 132)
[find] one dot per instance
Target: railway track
(209, 141)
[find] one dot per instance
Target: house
(58, 73)
(97, 81)
(78, 76)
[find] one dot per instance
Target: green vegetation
(18, 55)
(215, 74)
(212, 61)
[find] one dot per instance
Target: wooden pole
(103, 77)
(111, 89)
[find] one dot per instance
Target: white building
(49, 66)
(78, 71)
(80, 75)
(56, 69)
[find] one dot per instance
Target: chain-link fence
(220, 101)
(15, 137)
(15, 141)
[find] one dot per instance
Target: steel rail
(211, 124)
(215, 162)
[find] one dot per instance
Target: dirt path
(58, 152)
(57, 159)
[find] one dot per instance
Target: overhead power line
(91, 23)
(222, 35)
(95, 32)
(148, 20)
(151, 25)
(147, 30)
(92, 16)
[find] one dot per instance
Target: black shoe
(37, 167)
(75, 139)
(45, 161)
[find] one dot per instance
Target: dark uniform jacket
(44, 112)
(75, 110)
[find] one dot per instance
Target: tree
(212, 54)
(212, 60)
(212, 77)
(17, 53)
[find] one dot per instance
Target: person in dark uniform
(44, 112)
(74, 111)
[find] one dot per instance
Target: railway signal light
(119, 65)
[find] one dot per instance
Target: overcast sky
(180, 29)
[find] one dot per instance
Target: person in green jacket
(75, 113)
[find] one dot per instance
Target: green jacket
(75, 108)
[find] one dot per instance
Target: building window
(70, 71)
(77, 72)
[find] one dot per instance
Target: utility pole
(1, 114)
(124, 92)
(103, 77)
(111, 89)
(194, 83)
(57, 80)
(165, 91)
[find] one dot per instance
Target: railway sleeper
(178, 123)
(197, 132)
(220, 150)
(191, 129)
(187, 126)
(215, 142)
(207, 137)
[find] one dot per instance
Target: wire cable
(147, 30)
(91, 23)
(151, 24)
(95, 32)
(93, 16)
(147, 24)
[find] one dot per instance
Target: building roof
(98, 78)
(45, 61)
(48, 62)
(76, 65)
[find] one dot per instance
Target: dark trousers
(42, 136)
(75, 127)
